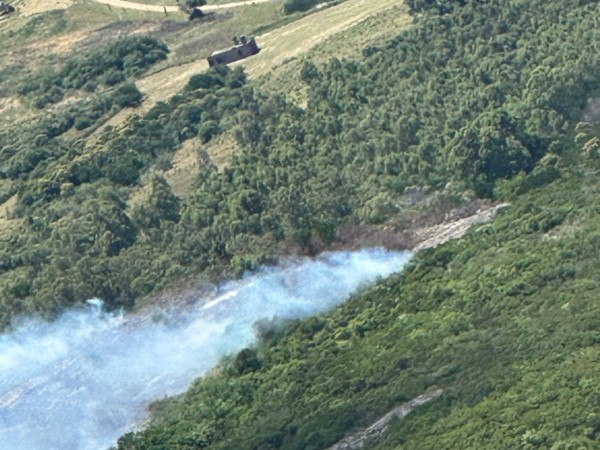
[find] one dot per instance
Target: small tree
(127, 96)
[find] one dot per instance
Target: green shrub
(291, 6)
(127, 96)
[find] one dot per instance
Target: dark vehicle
(5, 8)
(241, 49)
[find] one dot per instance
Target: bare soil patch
(418, 231)
(184, 167)
(358, 439)
(429, 237)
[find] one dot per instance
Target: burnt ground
(417, 229)
(413, 231)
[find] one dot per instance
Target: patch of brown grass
(10, 109)
(290, 41)
(184, 167)
(222, 149)
(32, 7)
(59, 45)
(8, 224)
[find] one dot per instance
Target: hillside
(504, 322)
(129, 171)
(88, 146)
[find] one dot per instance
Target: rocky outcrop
(357, 440)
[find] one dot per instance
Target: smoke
(84, 380)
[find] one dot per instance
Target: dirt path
(162, 9)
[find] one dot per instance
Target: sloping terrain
(290, 41)
(277, 46)
(504, 321)
(127, 171)
(164, 8)
(33, 7)
(322, 31)
(85, 114)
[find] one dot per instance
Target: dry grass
(373, 30)
(156, 2)
(140, 195)
(10, 109)
(342, 30)
(59, 45)
(383, 24)
(89, 14)
(37, 36)
(163, 85)
(180, 176)
(278, 46)
(184, 168)
(31, 7)
(160, 6)
(8, 224)
(7, 207)
(222, 149)
(292, 40)
(192, 45)
(139, 6)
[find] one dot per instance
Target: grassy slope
(36, 39)
(341, 31)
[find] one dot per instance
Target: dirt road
(162, 9)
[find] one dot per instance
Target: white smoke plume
(84, 380)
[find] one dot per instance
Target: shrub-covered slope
(482, 95)
(473, 93)
(477, 98)
(505, 321)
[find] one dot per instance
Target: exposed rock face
(357, 440)
(438, 234)
(419, 233)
